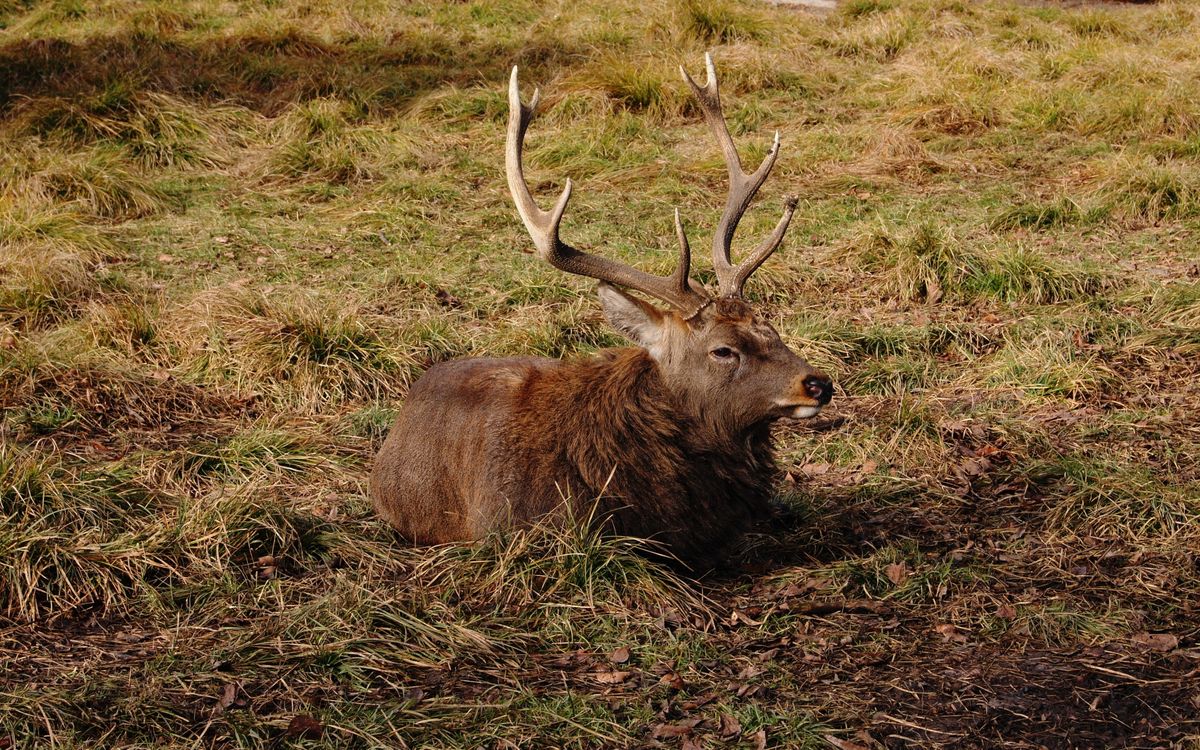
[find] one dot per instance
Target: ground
(233, 233)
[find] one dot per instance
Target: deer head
(725, 364)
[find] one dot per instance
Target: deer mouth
(798, 411)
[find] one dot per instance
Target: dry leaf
(611, 678)
(789, 590)
(672, 680)
(305, 727)
(619, 656)
(897, 573)
(730, 726)
(974, 467)
(843, 744)
(703, 700)
(950, 633)
(815, 470)
(229, 698)
(1156, 641)
(758, 740)
(750, 671)
(678, 729)
(691, 743)
(933, 290)
(1006, 612)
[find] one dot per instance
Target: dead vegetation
(230, 240)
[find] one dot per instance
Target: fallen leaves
(1006, 612)
(619, 655)
(897, 573)
(611, 678)
(951, 633)
(672, 680)
(841, 744)
(729, 728)
(815, 470)
(1162, 642)
(305, 727)
(676, 729)
(230, 697)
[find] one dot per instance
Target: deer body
(668, 441)
(602, 433)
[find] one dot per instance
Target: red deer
(669, 440)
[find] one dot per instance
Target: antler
(677, 289)
(742, 187)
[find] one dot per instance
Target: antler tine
(742, 188)
(680, 280)
(676, 289)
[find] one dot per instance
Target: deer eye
(724, 354)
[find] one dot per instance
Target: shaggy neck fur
(659, 471)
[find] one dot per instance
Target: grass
(230, 241)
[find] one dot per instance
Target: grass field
(232, 233)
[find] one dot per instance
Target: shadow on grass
(263, 72)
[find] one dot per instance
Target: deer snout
(807, 393)
(819, 388)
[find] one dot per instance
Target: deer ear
(640, 321)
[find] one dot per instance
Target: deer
(668, 440)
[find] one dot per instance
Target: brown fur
(658, 448)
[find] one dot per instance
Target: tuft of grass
(98, 180)
(1096, 22)
(308, 350)
(877, 36)
(1057, 623)
(242, 455)
(637, 88)
(100, 538)
(921, 264)
(1053, 214)
(54, 229)
(67, 536)
(719, 21)
(906, 575)
(561, 567)
(857, 8)
(1020, 274)
(39, 286)
(1147, 191)
(329, 140)
(155, 129)
(891, 376)
(1104, 499)
(1049, 365)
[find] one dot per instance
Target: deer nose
(819, 388)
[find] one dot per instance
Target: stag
(668, 440)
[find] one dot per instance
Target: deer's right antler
(677, 289)
(742, 187)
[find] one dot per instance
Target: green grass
(231, 238)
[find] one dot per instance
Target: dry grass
(229, 241)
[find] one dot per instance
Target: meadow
(232, 233)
